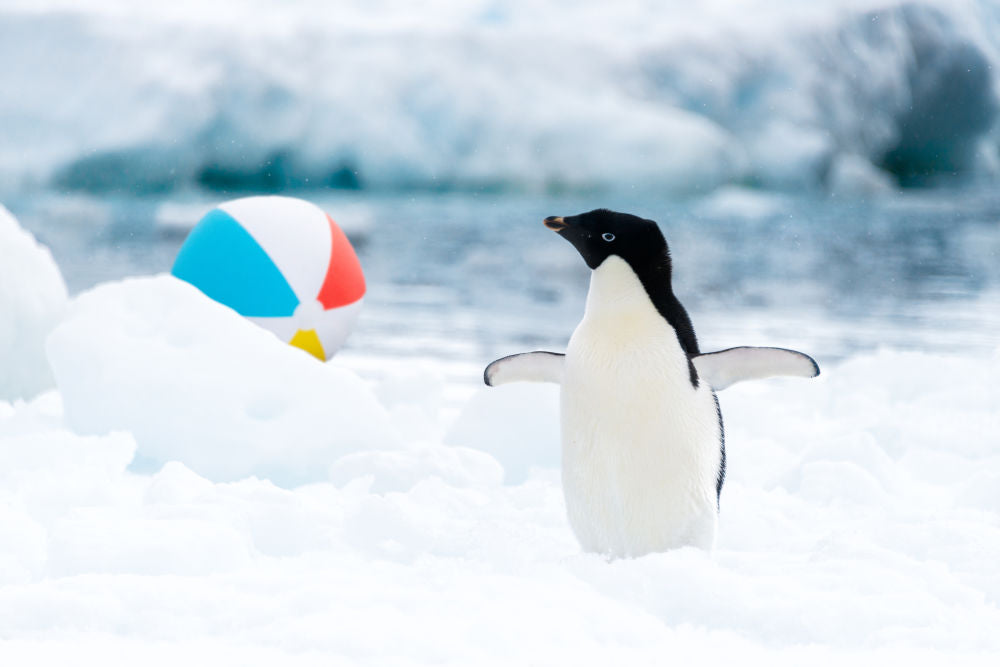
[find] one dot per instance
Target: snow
(195, 488)
(192, 379)
(854, 175)
(32, 298)
(515, 95)
(517, 425)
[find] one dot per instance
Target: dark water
(463, 278)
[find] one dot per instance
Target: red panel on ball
(344, 283)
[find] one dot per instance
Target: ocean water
(462, 278)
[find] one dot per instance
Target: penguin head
(601, 233)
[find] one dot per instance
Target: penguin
(643, 446)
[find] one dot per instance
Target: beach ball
(282, 263)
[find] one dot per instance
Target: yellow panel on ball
(281, 262)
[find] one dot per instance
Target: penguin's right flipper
(526, 367)
(727, 367)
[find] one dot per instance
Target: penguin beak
(556, 224)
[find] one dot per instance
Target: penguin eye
(608, 236)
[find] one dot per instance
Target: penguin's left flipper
(727, 367)
(526, 367)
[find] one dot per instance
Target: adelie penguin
(643, 452)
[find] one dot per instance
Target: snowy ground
(192, 490)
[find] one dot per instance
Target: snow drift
(498, 95)
(195, 381)
(860, 517)
(32, 299)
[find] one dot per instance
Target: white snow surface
(509, 93)
(193, 380)
(140, 518)
(32, 298)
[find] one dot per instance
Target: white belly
(640, 445)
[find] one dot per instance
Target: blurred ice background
(497, 96)
(825, 173)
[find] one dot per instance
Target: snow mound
(518, 425)
(32, 299)
(195, 382)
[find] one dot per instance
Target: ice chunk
(742, 204)
(852, 175)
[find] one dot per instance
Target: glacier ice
(528, 96)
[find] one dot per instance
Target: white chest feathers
(640, 445)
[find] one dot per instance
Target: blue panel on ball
(221, 259)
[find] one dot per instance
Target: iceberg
(488, 95)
